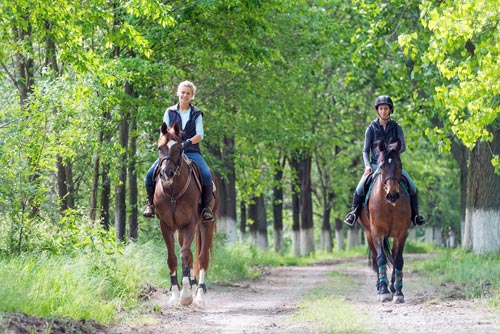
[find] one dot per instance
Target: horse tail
(387, 250)
(204, 240)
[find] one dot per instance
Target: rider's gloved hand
(185, 144)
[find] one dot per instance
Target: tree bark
(120, 187)
(278, 209)
(105, 196)
(243, 220)
(227, 187)
(258, 228)
(294, 165)
(461, 156)
(133, 219)
(483, 198)
(306, 210)
(339, 234)
(95, 186)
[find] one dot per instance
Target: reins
(173, 198)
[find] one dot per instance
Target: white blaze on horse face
(171, 143)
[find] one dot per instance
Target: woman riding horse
(176, 198)
(382, 129)
(190, 119)
(388, 216)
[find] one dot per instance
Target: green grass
(92, 286)
(99, 281)
(468, 270)
(328, 311)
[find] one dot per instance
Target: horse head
(391, 169)
(169, 152)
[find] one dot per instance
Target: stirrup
(418, 220)
(149, 212)
(348, 221)
(207, 214)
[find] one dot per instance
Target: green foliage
(457, 50)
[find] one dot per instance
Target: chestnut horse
(176, 201)
(387, 215)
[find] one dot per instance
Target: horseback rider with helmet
(386, 129)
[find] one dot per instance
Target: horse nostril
(392, 197)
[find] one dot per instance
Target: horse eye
(159, 148)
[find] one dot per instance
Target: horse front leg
(168, 237)
(187, 265)
(398, 274)
(384, 294)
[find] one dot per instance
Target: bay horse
(176, 201)
(387, 215)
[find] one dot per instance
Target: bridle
(168, 189)
(389, 178)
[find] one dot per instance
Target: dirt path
(269, 305)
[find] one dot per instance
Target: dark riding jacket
(375, 133)
(190, 130)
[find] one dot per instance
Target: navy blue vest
(190, 129)
(389, 135)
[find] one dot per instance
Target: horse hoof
(398, 299)
(188, 300)
(186, 296)
(385, 297)
(200, 299)
(174, 298)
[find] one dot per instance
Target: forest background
(287, 90)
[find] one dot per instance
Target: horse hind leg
(204, 239)
(201, 290)
(398, 298)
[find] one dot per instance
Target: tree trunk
(61, 184)
(133, 219)
(95, 186)
(278, 210)
(106, 179)
(258, 228)
(120, 187)
(294, 165)
(339, 234)
(227, 187)
(306, 210)
(461, 155)
(243, 220)
(326, 231)
(483, 198)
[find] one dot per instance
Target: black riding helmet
(384, 99)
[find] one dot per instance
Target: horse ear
(164, 128)
(176, 129)
(397, 145)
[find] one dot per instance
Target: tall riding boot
(149, 211)
(416, 218)
(352, 216)
(206, 201)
